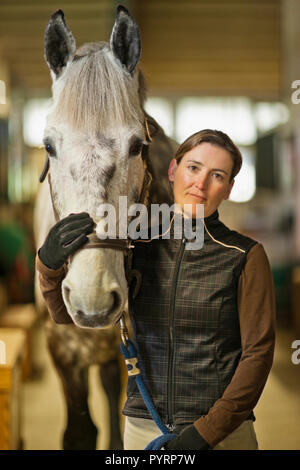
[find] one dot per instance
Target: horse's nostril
(67, 291)
(116, 301)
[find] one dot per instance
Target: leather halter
(122, 244)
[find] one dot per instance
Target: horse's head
(94, 137)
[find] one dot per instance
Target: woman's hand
(188, 439)
(65, 238)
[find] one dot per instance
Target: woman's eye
(192, 167)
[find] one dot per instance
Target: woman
(203, 319)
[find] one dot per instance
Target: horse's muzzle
(99, 319)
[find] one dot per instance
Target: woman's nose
(201, 181)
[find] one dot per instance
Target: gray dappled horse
(95, 139)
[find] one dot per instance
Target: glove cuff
(198, 439)
(45, 261)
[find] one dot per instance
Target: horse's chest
(86, 347)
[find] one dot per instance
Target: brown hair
(216, 138)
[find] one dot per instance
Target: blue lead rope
(130, 354)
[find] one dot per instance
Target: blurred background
(229, 65)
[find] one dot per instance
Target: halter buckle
(129, 244)
(124, 330)
(133, 370)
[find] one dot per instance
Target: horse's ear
(60, 45)
(125, 39)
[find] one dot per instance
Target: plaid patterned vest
(185, 322)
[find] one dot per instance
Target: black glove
(65, 238)
(188, 439)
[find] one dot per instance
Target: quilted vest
(185, 322)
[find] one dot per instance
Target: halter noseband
(121, 244)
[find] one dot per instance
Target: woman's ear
(172, 169)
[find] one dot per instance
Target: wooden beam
(37, 27)
(41, 10)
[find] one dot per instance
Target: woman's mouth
(198, 196)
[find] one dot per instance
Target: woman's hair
(216, 138)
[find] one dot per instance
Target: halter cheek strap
(148, 135)
(44, 170)
(51, 194)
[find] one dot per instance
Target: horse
(97, 149)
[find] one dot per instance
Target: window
(34, 121)
(230, 115)
(161, 110)
(244, 187)
(270, 115)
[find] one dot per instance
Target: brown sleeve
(256, 305)
(50, 284)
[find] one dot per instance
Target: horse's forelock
(97, 93)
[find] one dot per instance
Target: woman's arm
(50, 284)
(256, 305)
(63, 239)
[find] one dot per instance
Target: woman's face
(202, 177)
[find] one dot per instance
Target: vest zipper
(171, 335)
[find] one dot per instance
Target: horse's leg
(110, 374)
(81, 432)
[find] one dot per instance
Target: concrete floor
(278, 411)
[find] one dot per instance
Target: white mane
(96, 92)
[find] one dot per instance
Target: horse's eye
(50, 150)
(135, 148)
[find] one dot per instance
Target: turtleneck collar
(212, 218)
(212, 224)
